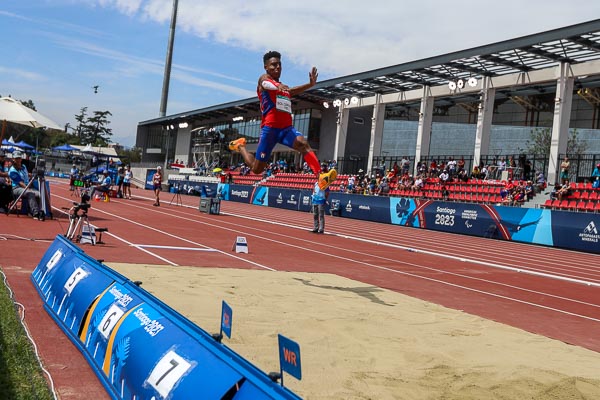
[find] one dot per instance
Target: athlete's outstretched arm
(312, 76)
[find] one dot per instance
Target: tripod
(176, 197)
(44, 196)
(78, 218)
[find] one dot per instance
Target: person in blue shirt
(19, 177)
(6, 196)
(104, 186)
(319, 200)
(596, 177)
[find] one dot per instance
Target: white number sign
(109, 320)
(74, 279)
(169, 370)
(54, 259)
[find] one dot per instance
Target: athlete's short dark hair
(270, 54)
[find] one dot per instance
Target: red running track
(552, 292)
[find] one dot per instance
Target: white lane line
(172, 235)
(385, 268)
(156, 246)
(524, 270)
(124, 240)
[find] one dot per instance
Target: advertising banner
(138, 346)
(240, 193)
(260, 196)
(368, 208)
(580, 231)
(465, 218)
(149, 174)
(284, 198)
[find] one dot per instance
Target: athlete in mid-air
(276, 123)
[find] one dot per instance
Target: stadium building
(481, 104)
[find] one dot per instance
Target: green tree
(129, 156)
(96, 130)
(541, 138)
(81, 121)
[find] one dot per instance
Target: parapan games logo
(590, 233)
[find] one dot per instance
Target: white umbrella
(12, 110)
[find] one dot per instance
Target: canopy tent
(12, 110)
(65, 147)
(24, 146)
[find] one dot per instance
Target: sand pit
(363, 342)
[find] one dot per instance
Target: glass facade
(514, 120)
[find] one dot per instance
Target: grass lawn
(20, 374)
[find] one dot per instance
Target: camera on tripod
(83, 205)
(40, 169)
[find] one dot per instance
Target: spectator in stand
(452, 167)
(462, 176)
(444, 177)
(342, 187)
(422, 169)
(565, 166)
(529, 190)
(476, 174)
(501, 166)
(405, 164)
(433, 169)
(483, 174)
(511, 162)
(351, 183)
(418, 185)
(540, 181)
(518, 196)
(554, 192)
(565, 191)
(460, 164)
(384, 188)
(445, 193)
(396, 168)
(527, 167)
(372, 184)
(596, 177)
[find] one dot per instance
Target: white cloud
(354, 36)
(131, 65)
(14, 73)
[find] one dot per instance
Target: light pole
(167, 75)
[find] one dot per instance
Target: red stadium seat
(547, 204)
(580, 206)
(589, 207)
(593, 195)
(584, 196)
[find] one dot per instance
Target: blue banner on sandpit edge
(138, 346)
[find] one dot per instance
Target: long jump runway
(551, 292)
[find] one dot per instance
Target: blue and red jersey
(275, 107)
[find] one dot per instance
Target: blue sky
(54, 51)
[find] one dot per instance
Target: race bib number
(284, 104)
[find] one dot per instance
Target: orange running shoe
(235, 145)
(327, 179)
